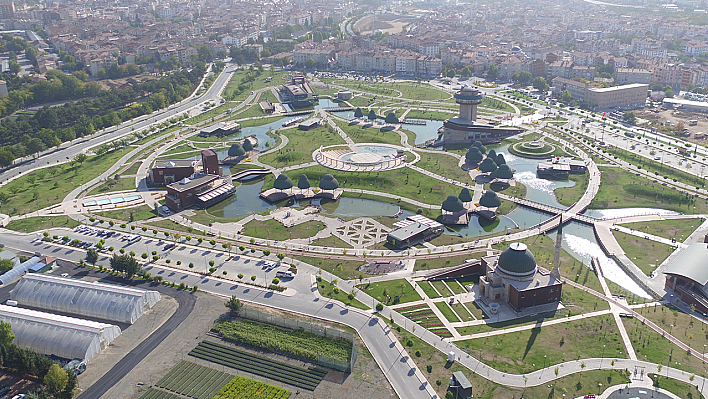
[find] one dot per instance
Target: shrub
(155, 258)
(144, 255)
(194, 288)
(145, 228)
(276, 281)
(211, 263)
(212, 242)
(122, 250)
(379, 307)
(111, 223)
(240, 276)
(167, 261)
(132, 227)
(122, 225)
(191, 265)
(92, 219)
(429, 368)
(154, 231)
(100, 221)
(438, 382)
(212, 270)
(418, 354)
(181, 286)
(224, 272)
(253, 278)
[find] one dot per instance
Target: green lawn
(646, 254)
(447, 261)
(49, 186)
(461, 311)
(111, 185)
(274, 230)
(386, 291)
(575, 385)
(428, 289)
(141, 213)
(678, 388)
(523, 351)
(327, 290)
(361, 134)
(301, 145)
(455, 287)
(679, 229)
(444, 165)
(345, 269)
(652, 347)
(447, 312)
(404, 182)
(570, 195)
(40, 223)
(259, 121)
(430, 115)
(475, 310)
(442, 289)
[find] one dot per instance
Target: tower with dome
(463, 130)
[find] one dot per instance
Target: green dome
(236, 150)
(465, 195)
(488, 165)
(517, 261)
(473, 155)
(500, 159)
(283, 182)
(303, 183)
(503, 172)
(328, 182)
(247, 145)
(480, 146)
(452, 204)
(492, 154)
(490, 199)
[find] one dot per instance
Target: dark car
(169, 246)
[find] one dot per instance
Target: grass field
(622, 189)
(327, 290)
(442, 288)
(447, 261)
(524, 351)
(404, 182)
(361, 134)
(274, 230)
(679, 229)
(570, 195)
(430, 115)
(447, 312)
(137, 214)
(31, 224)
(192, 380)
(678, 388)
(386, 291)
(425, 317)
(49, 186)
(300, 146)
(346, 269)
(646, 254)
(446, 166)
(428, 289)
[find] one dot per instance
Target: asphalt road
(641, 393)
(185, 300)
(71, 150)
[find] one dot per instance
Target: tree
(56, 379)
(234, 304)
(92, 256)
(126, 264)
(668, 92)
(310, 63)
(7, 337)
(540, 84)
(566, 97)
(629, 117)
(5, 265)
(522, 77)
(492, 72)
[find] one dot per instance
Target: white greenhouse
(51, 334)
(92, 300)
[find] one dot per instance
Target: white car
(65, 274)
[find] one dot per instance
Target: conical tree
(247, 146)
(283, 182)
(452, 204)
(490, 199)
(236, 150)
(372, 115)
(500, 159)
(358, 113)
(492, 154)
(480, 146)
(488, 165)
(503, 172)
(391, 117)
(465, 195)
(304, 182)
(473, 155)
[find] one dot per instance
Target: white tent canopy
(50, 334)
(83, 298)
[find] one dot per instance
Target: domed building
(513, 278)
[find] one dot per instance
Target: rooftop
(174, 163)
(690, 263)
(405, 233)
(618, 88)
(198, 179)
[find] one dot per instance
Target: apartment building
(633, 75)
(628, 96)
(695, 48)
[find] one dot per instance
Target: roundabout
(532, 149)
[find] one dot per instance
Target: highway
(69, 151)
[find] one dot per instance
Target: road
(71, 150)
(389, 354)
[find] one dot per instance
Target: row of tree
(50, 126)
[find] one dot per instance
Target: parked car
(285, 274)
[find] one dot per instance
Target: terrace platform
(274, 195)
